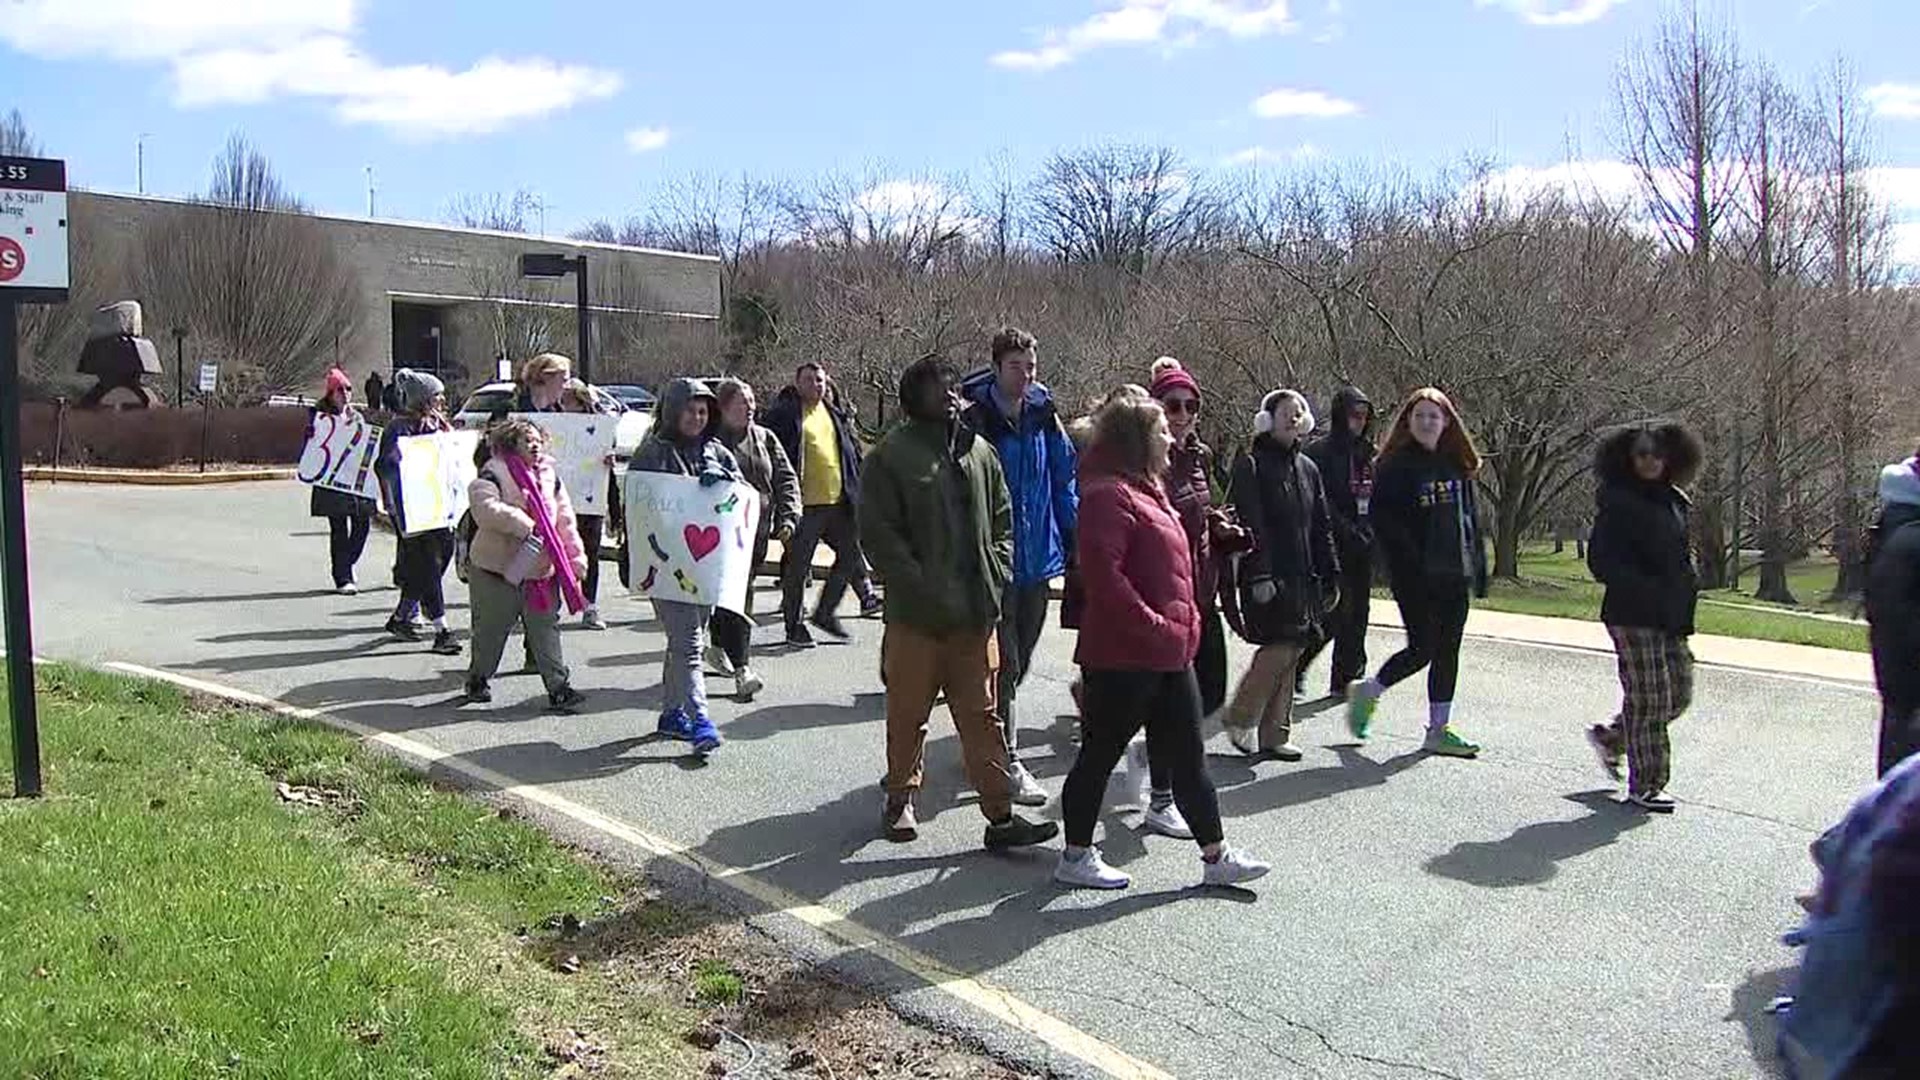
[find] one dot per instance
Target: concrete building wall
(470, 275)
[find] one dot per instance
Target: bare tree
(1678, 102)
(519, 314)
(1120, 206)
(260, 285)
(15, 139)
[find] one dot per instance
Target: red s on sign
(12, 259)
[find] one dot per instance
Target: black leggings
(346, 540)
(1117, 704)
(733, 633)
(423, 561)
(591, 531)
(1435, 611)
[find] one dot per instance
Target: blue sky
(592, 103)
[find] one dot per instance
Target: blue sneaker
(675, 725)
(706, 737)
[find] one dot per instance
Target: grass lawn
(1560, 585)
(216, 892)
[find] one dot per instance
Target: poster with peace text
(434, 473)
(339, 455)
(690, 543)
(579, 444)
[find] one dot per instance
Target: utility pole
(370, 212)
(140, 163)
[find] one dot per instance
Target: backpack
(463, 545)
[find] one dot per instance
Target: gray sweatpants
(682, 684)
(1023, 614)
(497, 606)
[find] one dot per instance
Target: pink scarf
(540, 593)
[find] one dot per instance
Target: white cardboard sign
(339, 455)
(579, 444)
(434, 473)
(33, 224)
(690, 543)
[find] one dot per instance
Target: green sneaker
(1360, 706)
(1446, 744)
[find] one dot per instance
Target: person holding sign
(576, 398)
(939, 526)
(349, 516)
(527, 559)
(684, 443)
(423, 558)
(763, 463)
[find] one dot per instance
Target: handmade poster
(690, 543)
(579, 444)
(434, 473)
(339, 455)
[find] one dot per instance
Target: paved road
(1490, 919)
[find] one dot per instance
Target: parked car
(633, 397)
(493, 398)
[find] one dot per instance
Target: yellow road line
(992, 1000)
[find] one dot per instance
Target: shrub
(161, 437)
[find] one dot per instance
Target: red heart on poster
(701, 542)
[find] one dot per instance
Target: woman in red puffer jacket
(1139, 633)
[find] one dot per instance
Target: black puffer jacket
(1639, 552)
(1893, 587)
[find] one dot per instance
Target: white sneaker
(1139, 777)
(1244, 739)
(1234, 867)
(746, 684)
(1023, 789)
(349, 589)
(591, 619)
(717, 661)
(1089, 871)
(1169, 822)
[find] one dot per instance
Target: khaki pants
(496, 606)
(1265, 694)
(918, 667)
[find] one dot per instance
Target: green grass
(164, 914)
(717, 984)
(1560, 586)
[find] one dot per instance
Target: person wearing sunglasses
(1639, 553)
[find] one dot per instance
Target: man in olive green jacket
(937, 524)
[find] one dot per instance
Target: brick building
(438, 297)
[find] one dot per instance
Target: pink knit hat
(1170, 375)
(338, 380)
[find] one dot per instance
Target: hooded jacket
(783, 419)
(1426, 518)
(666, 451)
(414, 391)
(1346, 471)
(936, 523)
(1639, 551)
(1278, 495)
(1893, 587)
(1038, 460)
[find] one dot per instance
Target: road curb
(152, 477)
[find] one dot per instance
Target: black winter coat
(1893, 606)
(1346, 471)
(783, 419)
(1639, 552)
(1279, 498)
(326, 502)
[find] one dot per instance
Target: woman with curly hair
(1427, 524)
(1639, 553)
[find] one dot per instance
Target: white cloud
(148, 29)
(243, 53)
(646, 139)
(1898, 100)
(1555, 12)
(1897, 186)
(1148, 22)
(1614, 182)
(1310, 103)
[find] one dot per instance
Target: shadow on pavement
(1533, 853)
(238, 598)
(1279, 790)
(550, 763)
(307, 633)
(773, 720)
(1749, 1007)
(281, 661)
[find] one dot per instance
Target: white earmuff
(1263, 422)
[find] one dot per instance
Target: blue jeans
(682, 684)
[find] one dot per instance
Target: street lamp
(551, 265)
(179, 366)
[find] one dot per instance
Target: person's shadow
(1749, 1006)
(1533, 853)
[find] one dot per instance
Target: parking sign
(33, 229)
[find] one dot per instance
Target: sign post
(209, 382)
(33, 270)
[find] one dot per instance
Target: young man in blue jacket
(1008, 407)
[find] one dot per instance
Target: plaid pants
(1656, 684)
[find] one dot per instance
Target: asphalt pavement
(1499, 918)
